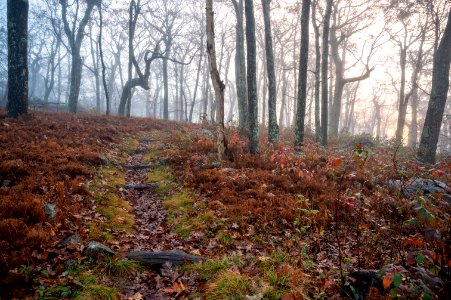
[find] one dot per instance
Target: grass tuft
(229, 285)
(97, 292)
(120, 267)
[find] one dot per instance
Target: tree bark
(437, 101)
(240, 66)
(168, 45)
(17, 16)
(251, 77)
(413, 128)
(218, 85)
(324, 73)
(302, 79)
(273, 128)
(105, 87)
(317, 71)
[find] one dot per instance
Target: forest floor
(358, 219)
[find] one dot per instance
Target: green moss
(118, 213)
(111, 177)
(162, 175)
(178, 202)
(128, 146)
(151, 155)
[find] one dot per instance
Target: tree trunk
(273, 128)
(413, 129)
(437, 101)
(168, 45)
(218, 85)
(302, 79)
(49, 80)
(17, 58)
(317, 72)
(105, 87)
(402, 104)
(324, 73)
(284, 98)
(251, 77)
(240, 66)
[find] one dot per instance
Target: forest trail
(153, 234)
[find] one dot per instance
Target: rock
(175, 257)
(204, 132)
(95, 248)
(103, 160)
(143, 186)
(227, 170)
(215, 164)
(6, 183)
(426, 186)
(164, 161)
(50, 211)
(73, 239)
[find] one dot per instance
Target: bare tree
(347, 21)
(411, 33)
(75, 37)
(142, 79)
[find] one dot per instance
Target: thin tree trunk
(107, 96)
(218, 85)
(317, 72)
(302, 83)
(251, 77)
(324, 73)
(240, 66)
(273, 128)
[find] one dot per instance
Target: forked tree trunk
(75, 39)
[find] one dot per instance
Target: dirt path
(152, 234)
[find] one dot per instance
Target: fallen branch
(175, 257)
